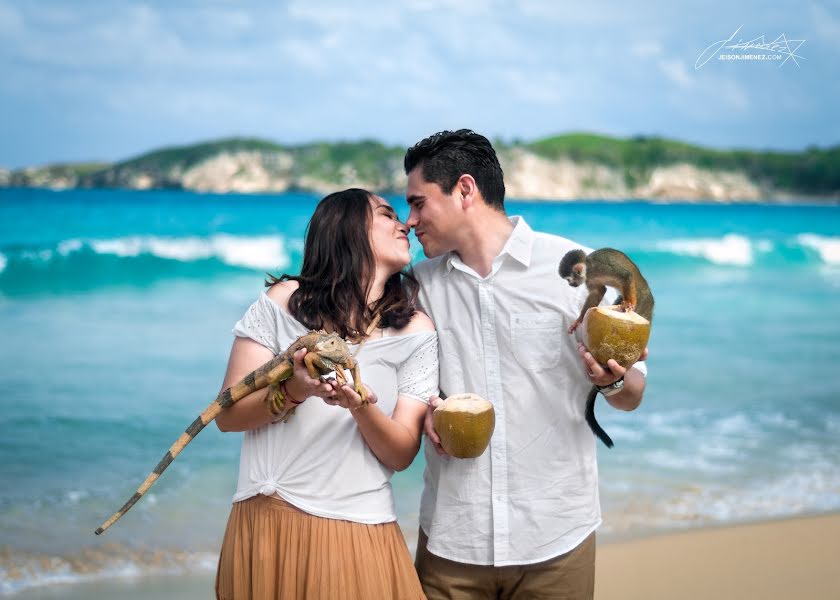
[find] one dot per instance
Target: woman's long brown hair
(338, 268)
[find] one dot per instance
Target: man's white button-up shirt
(533, 494)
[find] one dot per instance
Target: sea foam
(731, 249)
(22, 570)
(254, 252)
(827, 247)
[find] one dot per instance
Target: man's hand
(597, 374)
(429, 427)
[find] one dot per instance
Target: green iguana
(326, 352)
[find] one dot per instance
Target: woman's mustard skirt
(275, 551)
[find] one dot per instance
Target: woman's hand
(346, 397)
(302, 386)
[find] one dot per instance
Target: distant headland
(564, 167)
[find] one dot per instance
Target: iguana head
(331, 346)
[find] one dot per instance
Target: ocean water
(115, 316)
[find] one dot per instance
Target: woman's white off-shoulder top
(318, 460)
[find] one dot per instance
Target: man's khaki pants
(570, 576)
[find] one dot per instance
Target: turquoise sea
(116, 311)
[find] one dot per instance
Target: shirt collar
(518, 246)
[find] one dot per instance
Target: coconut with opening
(464, 423)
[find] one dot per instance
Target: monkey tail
(592, 421)
(274, 370)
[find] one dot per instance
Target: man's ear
(467, 190)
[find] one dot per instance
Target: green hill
(187, 156)
(318, 166)
(368, 159)
(814, 171)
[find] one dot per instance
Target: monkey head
(573, 267)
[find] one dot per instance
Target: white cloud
(360, 15)
(11, 20)
(224, 21)
(307, 55)
(452, 7)
(734, 95)
(646, 49)
(577, 13)
(826, 25)
(350, 68)
(544, 88)
(676, 72)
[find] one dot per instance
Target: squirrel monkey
(602, 268)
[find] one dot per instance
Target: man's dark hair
(447, 155)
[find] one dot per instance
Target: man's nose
(413, 219)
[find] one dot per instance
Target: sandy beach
(792, 558)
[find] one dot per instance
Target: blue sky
(106, 80)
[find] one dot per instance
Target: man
(519, 521)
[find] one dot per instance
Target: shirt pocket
(537, 339)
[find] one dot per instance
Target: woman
(313, 514)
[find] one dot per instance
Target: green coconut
(464, 423)
(609, 332)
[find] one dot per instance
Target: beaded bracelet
(287, 394)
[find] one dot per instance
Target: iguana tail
(277, 369)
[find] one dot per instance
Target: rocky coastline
(256, 166)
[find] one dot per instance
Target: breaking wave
(735, 250)
(139, 259)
